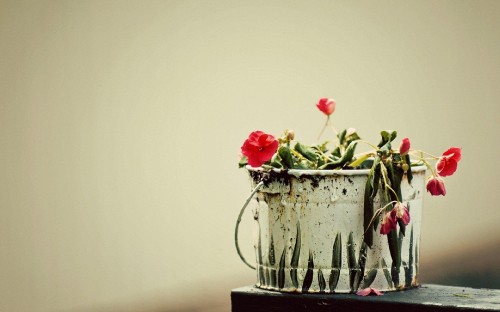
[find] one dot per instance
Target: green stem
(368, 143)
(377, 212)
(324, 127)
(421, 154)
(386, 185)
(361, 159)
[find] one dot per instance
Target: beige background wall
(121, 121)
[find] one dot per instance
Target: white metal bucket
(309, 235)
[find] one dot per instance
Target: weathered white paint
(325, 203)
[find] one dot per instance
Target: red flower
(389, 222)
(404, 148)
(435, 186)
(391, 218)
(369, 291)
(402, 213)
(447, 163)
(327, 106)
(259, 148)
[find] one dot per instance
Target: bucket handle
(257, 187)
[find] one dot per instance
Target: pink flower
(327, 106)
(389, 222)
(259, 148)
(447, 163)
(402, 213)
(404, 148)
(435, 186)
(391, 218)
(369, 291)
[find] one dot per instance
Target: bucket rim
(325, 172)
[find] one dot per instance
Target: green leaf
(268, 277)
(293, 276)
(281, 270)
(369, 278)
(272, 259)
(286, 157)
(395, 175)
(243, 162)
(337, 252)
(352, 137)
(346, 157)
(409, 174)
(407, 274)
(409, 267)
(295, 257)
(306, 151)
(361, 265)
(351, 261)
(395, 251)
(387, 138)
(309, 274)
(273, 278)
(262, 279)
(321, 281)
(371, 189)
(341, 136)
(336, 263)
(387, 274)
(359, 161)
(336, 153)
(296, 250)
(276, 162)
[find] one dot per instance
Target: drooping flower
(448, 162)
(435, 186)
(398, 214)
(404, 148)
(402, 213)
(369, 291)
(327, 106)
(259, 148)
(389, 222)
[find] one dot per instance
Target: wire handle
(257, 187)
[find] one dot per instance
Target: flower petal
(259, 147)
(454, 153)
(404, 148)
(446, 166)
(435, 186)
(369, 291)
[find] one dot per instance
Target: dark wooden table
(424, 299)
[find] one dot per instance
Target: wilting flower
(404, 148)
(402, 213)
(398, 214)
(435, 186)
(389, 222)
(369, 291)
(447, 163)
(327, 106)
(259, 148)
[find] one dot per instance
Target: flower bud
(435, 186)
(290, 134)
(405, 167)
(404, 148)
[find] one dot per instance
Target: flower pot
(310, 233)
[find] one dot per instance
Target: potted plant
(334, 220)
